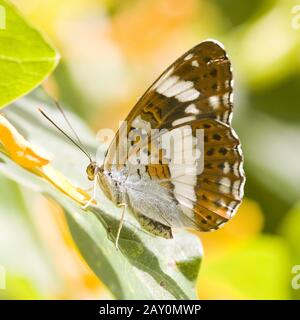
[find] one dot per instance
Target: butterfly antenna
(69, 125)
(77, 144)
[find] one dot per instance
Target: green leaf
(26, 58)
(145, 267)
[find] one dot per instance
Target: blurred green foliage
(258, 269)
(239, 12)
(28, 268)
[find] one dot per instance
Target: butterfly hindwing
(216, 192)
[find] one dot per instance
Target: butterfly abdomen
(154, 227)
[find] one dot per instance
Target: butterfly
(194, 94)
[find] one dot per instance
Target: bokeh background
(112, 50)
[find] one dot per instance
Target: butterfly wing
(195, 92)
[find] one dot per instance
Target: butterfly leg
(93, 198)
(124, 205)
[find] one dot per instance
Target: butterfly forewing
(195, 92)
(199, 84)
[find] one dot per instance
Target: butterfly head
(92, 170)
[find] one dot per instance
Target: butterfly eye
(90, 170)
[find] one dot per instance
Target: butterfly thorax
(112, 183)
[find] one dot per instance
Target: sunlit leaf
(26, 58)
